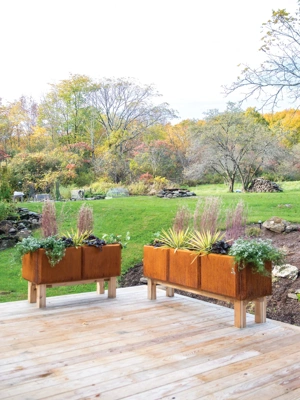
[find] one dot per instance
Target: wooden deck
(86, 346)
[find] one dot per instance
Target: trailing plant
(175, 239)
(256, 252)
(202, 242)
(54, 248)
(48, 219)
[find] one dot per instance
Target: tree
(125, 111)
(287, 122)
(232, 144)
(64, 111)
(278, 77)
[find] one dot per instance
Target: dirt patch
(280, 307)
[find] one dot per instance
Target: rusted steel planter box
(220, 275)
(184, 268)
(36, 267)
(85, 264)
(101, 262)
(156, 262)
(181, 267)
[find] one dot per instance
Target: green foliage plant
(7, 209)
(138, 188)
(176, 239)
(256, 252)
(202, 242)
(113, 239)
(54, 248)
(253, 231)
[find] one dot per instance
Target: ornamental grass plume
(207, 215)
(85, 220)
(182, 219)
(236, 220)
(48, 219)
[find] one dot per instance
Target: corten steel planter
(36, 267)
(220, 275)
(156, 262)
(184, 268)
(104, 262)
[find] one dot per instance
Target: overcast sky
(187, 48)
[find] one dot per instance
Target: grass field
(142, 217)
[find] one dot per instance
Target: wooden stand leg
(239, 314)
(41, 296)
(151, 289)
(31, 292)
(260, 310)
(100, 287)
(169, 292)
(112, 287)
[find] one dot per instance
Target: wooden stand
(239, 305)
(37, 293)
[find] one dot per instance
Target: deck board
(85, 346)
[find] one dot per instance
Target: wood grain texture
(85, 346)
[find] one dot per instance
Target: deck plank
(88, 346)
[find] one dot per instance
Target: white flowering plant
(256, 252)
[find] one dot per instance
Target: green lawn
(143, 216)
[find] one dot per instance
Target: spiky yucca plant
(78, 237)
(202, 242)
(176, 239)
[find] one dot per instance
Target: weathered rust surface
(156, 262)
(102, 262)
(36, 267)
(219, 274)
(184, 268)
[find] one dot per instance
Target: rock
(5, 227)
(24, 233)
(292, 296)
(285, 271)
(7, 242)
(15, 229)
(174, 193)
(275, 224)
(291, 228)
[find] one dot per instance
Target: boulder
(285, 271)
(276, 224)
